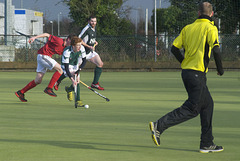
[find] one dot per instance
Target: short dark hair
(205, 8)
(70, 36)
(92, 16)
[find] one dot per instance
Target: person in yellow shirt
(198, 40)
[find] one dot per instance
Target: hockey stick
(75, 91)
(93, 47)
(29, 37)
(94, 91)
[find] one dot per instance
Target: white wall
(1, 18)
(30, 23)
(27, 22)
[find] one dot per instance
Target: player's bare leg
(39, 77)
(97, 60)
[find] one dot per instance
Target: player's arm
(86, 45)
(84, 36)
(65, 62)
(212, 39)
(84, 60)
(177, 53)
(218, 61)
(38, 36)
(66, 66)
(177, 45)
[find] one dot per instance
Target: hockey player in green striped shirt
(73, 60)
(88, 35)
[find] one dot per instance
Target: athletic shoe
(69, 94)
(97, 86)
(80, 104)
(56, 85)
(50, 92)
(211, 148)
(20, 96)
(155, 133)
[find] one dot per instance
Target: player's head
(76, 43)
(68, 40)
(205, 8)
(92, 21)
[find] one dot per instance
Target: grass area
(51, 129)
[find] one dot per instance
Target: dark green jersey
(88, 35)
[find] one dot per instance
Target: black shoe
(20, 96)
(50, 92)
(155, 133)
(211, 148)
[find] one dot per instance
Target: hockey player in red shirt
(54, 45)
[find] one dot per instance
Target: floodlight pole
(21, 4)
(59, 23)
(51, 22)
(146, 30)
(8, 21)
(155, 30)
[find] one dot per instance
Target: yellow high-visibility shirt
(197, 40)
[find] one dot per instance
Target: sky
(51, 8)
(143, 4)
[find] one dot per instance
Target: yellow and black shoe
(155, 133)
(80, 104)
(69, 94)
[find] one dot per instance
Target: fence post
(26, 51)
(135, 47)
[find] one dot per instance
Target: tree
(188, 12)
(229, 13)
(167, 19)
(227, 10)
(106, 11)
(175, 17)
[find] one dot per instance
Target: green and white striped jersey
(71, 57)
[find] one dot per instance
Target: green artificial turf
(50, 129)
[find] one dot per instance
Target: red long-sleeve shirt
(54, 45)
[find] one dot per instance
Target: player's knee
(100, 65)
(60, 70)
(38, 81)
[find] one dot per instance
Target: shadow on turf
(65, 144)
(87, 145)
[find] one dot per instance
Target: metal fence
(122, 48)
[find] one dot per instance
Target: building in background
(26, 23)
(21, 24)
